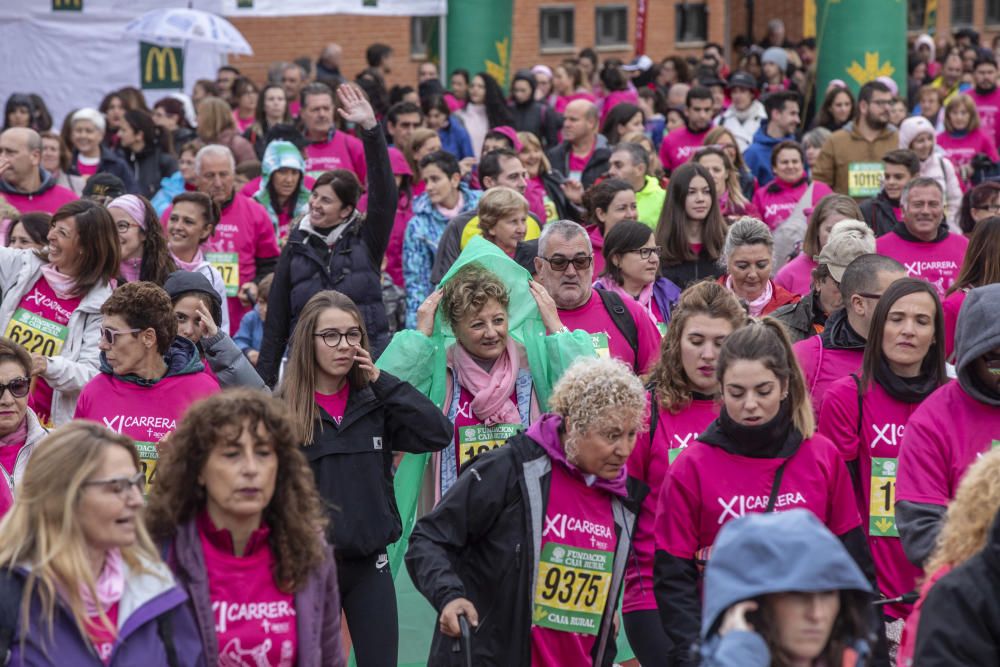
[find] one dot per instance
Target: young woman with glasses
(52, 300)
(145, 255)
(19, 427)
(351, 420)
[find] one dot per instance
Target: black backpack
(623, 321)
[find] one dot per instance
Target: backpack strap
(776, 485)
(654, 411)
(622, 318)
(165, 629)
(857, 382)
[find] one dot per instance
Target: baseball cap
(742, 80)
(103, 185)
(639, 64)
(849, 239)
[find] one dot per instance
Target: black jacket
(960, 622)
(878, 213)
(683, 275)
(148, 168)
(110, 164)
(352, 462)
(596, 167)
(538, 118)
(353, 266)
(481, 542)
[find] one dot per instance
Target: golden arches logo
(161, 56)
(67, 5)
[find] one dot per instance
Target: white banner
(314, 7)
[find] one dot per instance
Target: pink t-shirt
(944, 436)
(707, 486)
(255, 622)
(334, 404)
(577, 164)
(101, 637)
(86, 170)
(937, 262)
(615, 98)
(6, 498)
(648, 463)
(822, 367)
(679, 146)
(472, 436)
(39, 325)
(988, 107)
(796, 275)
(242, 123)
(778, 199)
(608, 340)
(47, 202)
(877, 451)
(563, 100)
(961, 149)
(578, 549)
(951, 307)
(342, 151)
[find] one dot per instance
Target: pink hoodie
(679, 146)
(960, 149)
(796, 276)
(988, 107)
(821, 367)
(778, 199)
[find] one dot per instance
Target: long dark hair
(619, 115)
(293, 199)
(626, 236)
(670, 234)
(157, 262)
(152, 135)
(826, 110)
(934, 361)
(98, 240)
(981, 265)
(977, 197)
(260, 125)
(497, 112)
(599, 196)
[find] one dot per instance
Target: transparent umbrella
(179, 26)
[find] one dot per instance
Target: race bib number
(479, 439)
(551, 213)
(148, 458)
(228, 266)
(572, 590)
(662, 326)
(864, 179)
(36, 334)
(881, 509)
(600, 342)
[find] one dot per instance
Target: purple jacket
(147, 597)
(317, 605)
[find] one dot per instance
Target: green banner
(160, 67)
(858, 41)
(479, 37)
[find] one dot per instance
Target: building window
(993, 11)
(556, 24)
(423, 29)
(611, 28)
(692, 23)
(961, 12)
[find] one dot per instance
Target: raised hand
(354, 107)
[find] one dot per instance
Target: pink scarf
(758, 304)
(110, 584)
(491, 390)
(64, 286)
(18, 437)
(193, 265)
(645, 298)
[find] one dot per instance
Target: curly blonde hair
(970, 514)
(595, 393)
(471, 288)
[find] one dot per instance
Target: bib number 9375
(572, 589)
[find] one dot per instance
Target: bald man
(583, 155)
(23, 182)
(328, 65)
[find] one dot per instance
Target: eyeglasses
(560, 263)
(646, 253)
(111, 335)
(992, 208)
(120, 485)
(332, 338)
(19, 387)
(869, 295)
(880, 103)
(123, 226)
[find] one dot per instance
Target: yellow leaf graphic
(498, 70)
(872, 70)
(884, 524)
(540, 613)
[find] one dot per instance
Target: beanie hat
(93, 115)
(849, 239)
(179, 283)
(913, 127)
(776, 55)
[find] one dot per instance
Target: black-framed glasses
(111, 335)
(992, 208)
(646, 253)
(869, 295)
(120, 485)
(333, 337)
(18, 387)
(560, 263)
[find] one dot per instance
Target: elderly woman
(476, 556)
(20, 430)
(632, 267)
(791, 192)
(90, 155)
(242, 527)
(75, 549)
(509, 347)
(748, 261)
(503, 214)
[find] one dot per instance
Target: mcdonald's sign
(244, 4)
(160, 66)
(67, 5)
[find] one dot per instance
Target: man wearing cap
(102, 188)
(745, 113)
(680, 144)
(782, 122)
(23, 183)
(630, 163)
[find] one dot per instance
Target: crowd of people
(666, 338)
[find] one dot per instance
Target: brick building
(546, 31)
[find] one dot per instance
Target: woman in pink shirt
(796, 275)
(683, 392)
(145, 255)
(981, 266)
(792, 191)
(567, 85)
(963, 139)
(727, 183)
(20, 431)
(245, 93)
(607, 203)
(748, 258)
(237, 512)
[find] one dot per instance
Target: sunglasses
(560, 263)
(111, 335)
(18, 387)
(120, 485)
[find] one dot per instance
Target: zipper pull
(517, 557)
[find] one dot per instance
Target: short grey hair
(638, 154)
(816, 137)
(564, 229)
(919, 182)
(746, 231)
(213, 150)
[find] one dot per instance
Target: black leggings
(368, 596)
(649, 642)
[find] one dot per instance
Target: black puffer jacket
(687, 273)
(110, 163)
(149, 167)
(352, 266)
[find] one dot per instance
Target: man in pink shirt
(619, 328)
(986, 96)
(293, 79)
(23, 183)
(329, 148)
(922, 242)
(678, 146)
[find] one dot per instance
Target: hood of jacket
(46, 182)
(775, 552)
(282, 155)
(763, 138)
(977, 332)
(547, 431)
(839, 334)
(182, 358)
(470, 199)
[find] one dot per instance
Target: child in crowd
(251, 331)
